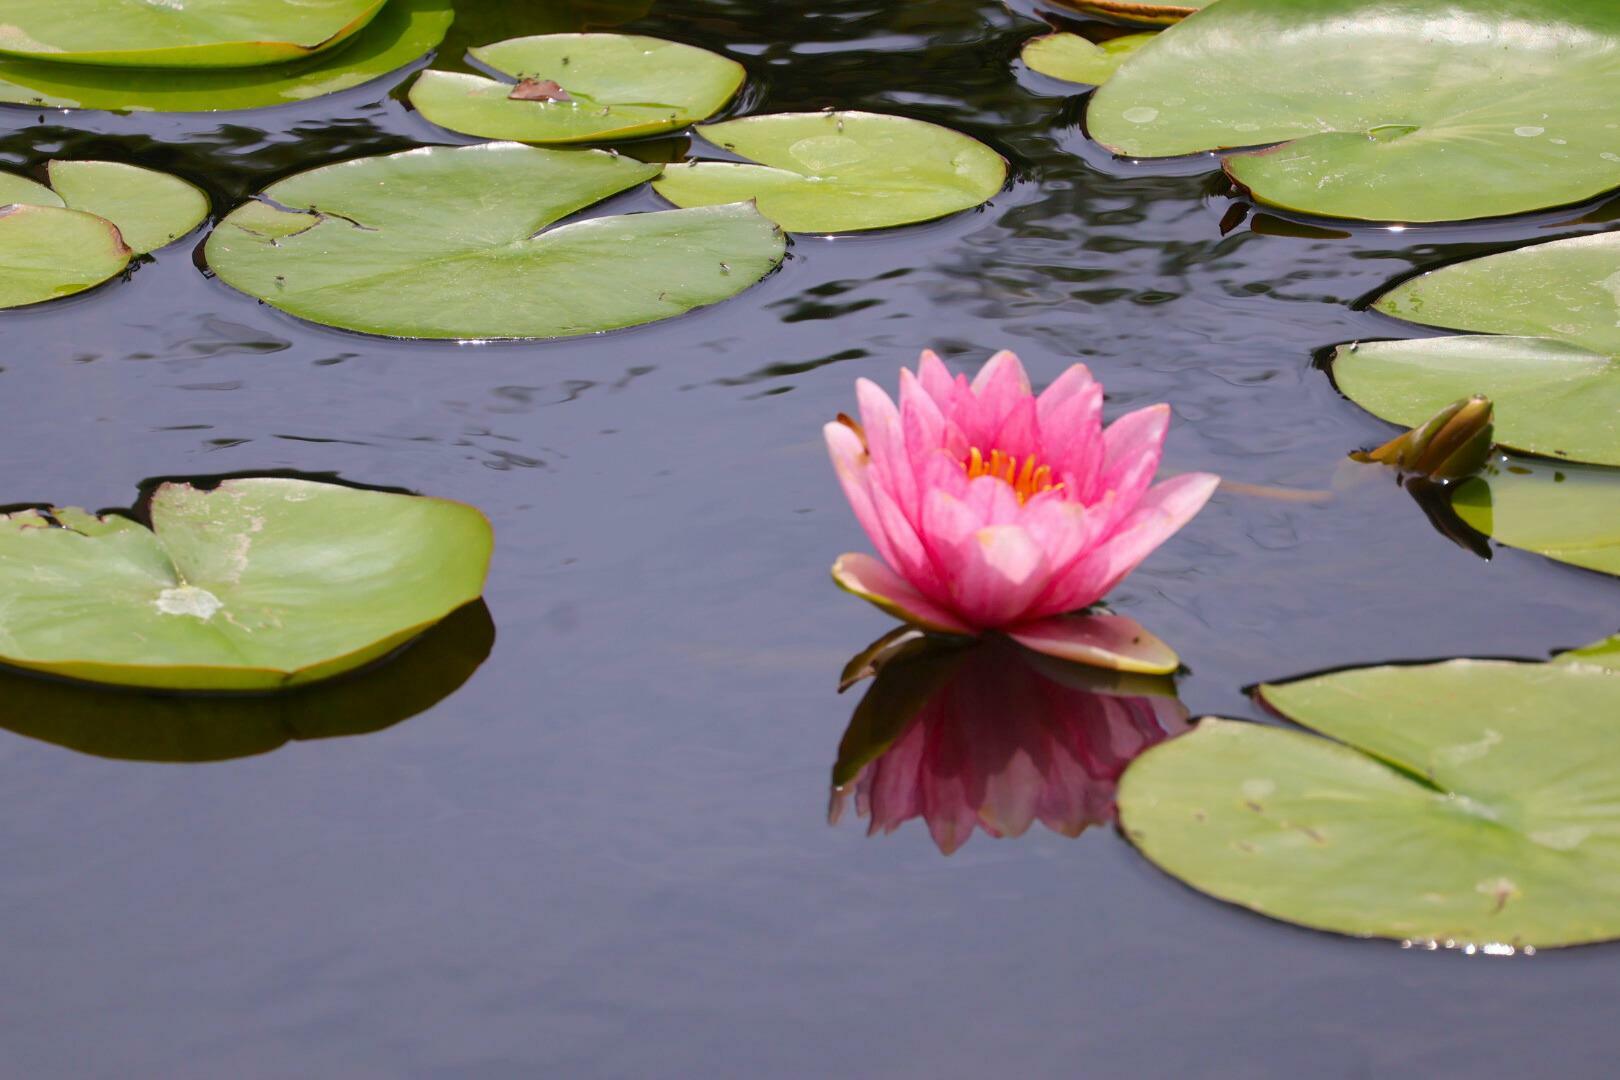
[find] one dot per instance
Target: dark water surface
(606, 854)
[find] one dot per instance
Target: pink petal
(1161, 513)
(1020, 432)
(1106, 641)
(1165, 508)
(1000, 385)
(936, 380)
(1072, 442)
(993, 501)
(995, 575)
(850, 463)
(1132, 446)
(875, 583)
(891, 468)
(1076, 380)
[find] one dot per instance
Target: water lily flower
(994, 509)
(993, 738)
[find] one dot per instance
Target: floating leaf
(446, 242)
(1554, 379)
(1513, 105)
(140, 726)
(1145, 12)
(50, 252)
(1566, 512)
(151, 209)
(1471, 802)
(59, 242)
(840, 171)
(401, 33)
(580, 88)
(1076, 59)
(257, 584)
(211, 34)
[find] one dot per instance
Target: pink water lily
(995, 509)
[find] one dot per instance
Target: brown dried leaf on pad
(538, 90)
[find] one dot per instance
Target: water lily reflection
(132, 725)
(991, 736)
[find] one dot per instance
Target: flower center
(1027, 478)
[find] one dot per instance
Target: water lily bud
(1450, 445)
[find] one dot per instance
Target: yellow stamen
(1027, 478)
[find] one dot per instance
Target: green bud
(1455, 442)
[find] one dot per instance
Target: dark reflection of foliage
(132, 725)
(992, 737)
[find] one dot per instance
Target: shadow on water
(130, 725)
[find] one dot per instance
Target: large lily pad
(1471, 802)
(256, 584)
(401, 33)
(1409, 110)
(59, 240)
(198, 34)
(1566, 512)
(1555, 374)
(572, 88)
(142, 726)
(1079, 60)
(1144, 12)
(446, 242)
(839, 171)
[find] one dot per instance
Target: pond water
(607, 853)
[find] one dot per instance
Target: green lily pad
(1076, 59)
(257, 584)
(447, 242)
(51, 252)
(199, 34)
(401, 33)
(574, 88)
(833, 172)
(1566, 512)
(1512, 120)
(151, 209)
(142, 726)
(1472, 803)
(1555, 375)
(1144, 12)
(59, 240)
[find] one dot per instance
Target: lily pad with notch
(453, 243)
(84, 229)
(402, 32)
(256, 584)
(1473, 803)
(574, 88)
(199, 34)
(1551, 366)
(1511, 101)
(831, 172)
(137, 725)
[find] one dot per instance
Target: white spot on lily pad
(188, 600)
(1528, 131)
(1141, 114)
